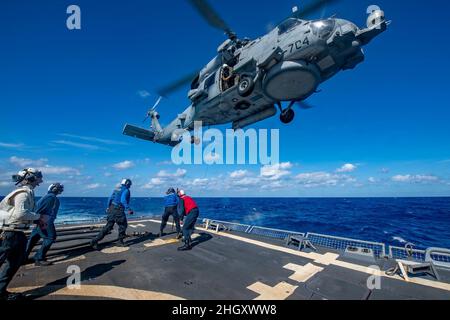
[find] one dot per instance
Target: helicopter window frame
(323, 29)
(288, 24)
(211, 80)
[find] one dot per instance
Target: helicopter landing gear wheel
(287, 116)
(245, 87)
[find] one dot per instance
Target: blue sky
(379, 130)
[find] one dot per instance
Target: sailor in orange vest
(187, 210)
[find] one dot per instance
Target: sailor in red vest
(188, 211)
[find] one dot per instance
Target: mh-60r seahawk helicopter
(245, 82)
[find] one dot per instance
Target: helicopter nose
(350, 48)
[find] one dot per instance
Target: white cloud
(124, 165)
(373, 180)
(5, 184)
(23, 163)
(318, 179)
(154, 182)
(238, 174)
(11, 145)
(276, 171)
(164, 163)
(78, 145)
(94, 186)
(107, 174)
(385, 170)
(348, 167)
(163, 177)
(212, 158)
(144, 93)
(58, 170)
(94, 139)
(415, 178)
(179, 173)
(200, 182)
(246, 182)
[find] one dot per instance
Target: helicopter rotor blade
(312, 7)
(212, 17)
(174, 86)
(156, 103)
(152, 109)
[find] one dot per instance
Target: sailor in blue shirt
(46, 206)
(118, 204)
(170, 209)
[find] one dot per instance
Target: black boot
(121, 243)
(187, 246)
(9, 296)
(42, 263)
(94, 245)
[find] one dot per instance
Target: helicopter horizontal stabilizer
(139, 133)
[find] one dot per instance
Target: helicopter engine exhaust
(291, 81)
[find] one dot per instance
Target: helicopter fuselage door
(228, 78)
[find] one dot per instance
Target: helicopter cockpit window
(323, 28)
(288, 24)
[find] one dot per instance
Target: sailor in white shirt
(16, 216)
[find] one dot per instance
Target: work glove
(130, 212)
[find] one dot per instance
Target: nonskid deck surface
(222, 265)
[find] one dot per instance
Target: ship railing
(218, 225)
(273, 233)
(341, 244)
(406, 253)
(439, 256)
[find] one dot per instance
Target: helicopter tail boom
(139, 133)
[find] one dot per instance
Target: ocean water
(424, 222)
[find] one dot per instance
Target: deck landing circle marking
(100, 291)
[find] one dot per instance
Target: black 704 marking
(297, 45)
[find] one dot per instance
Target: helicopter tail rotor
(152, 110)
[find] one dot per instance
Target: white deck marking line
(302, 273)
(99, 291)
(159, 242)
(195, 236)
(343, 264)
(136, 225)
(111, 250)
(327, 259)
(280, 292)
(58, 260)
